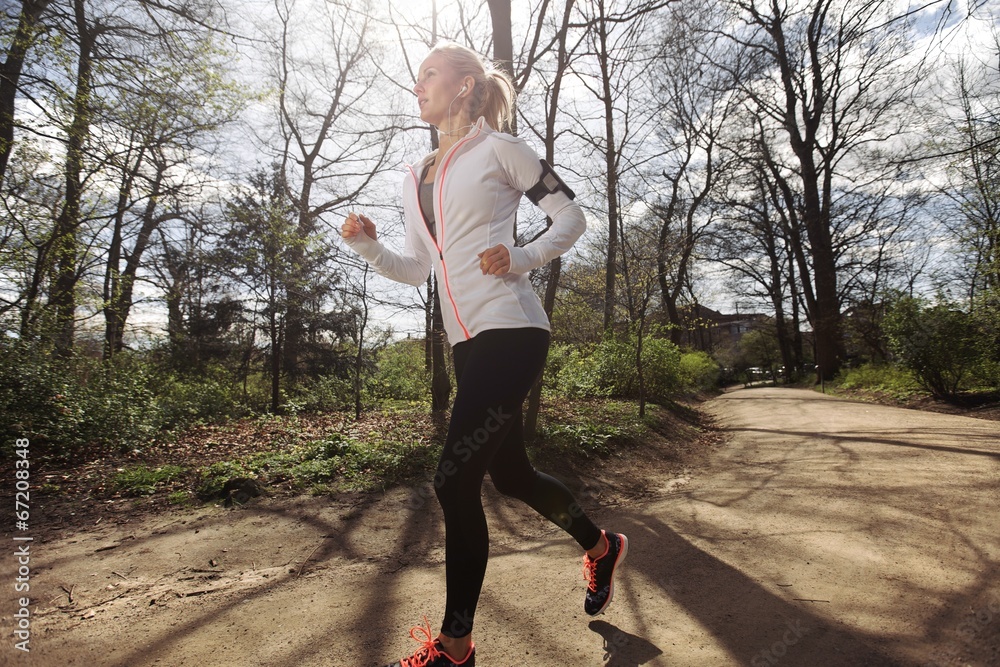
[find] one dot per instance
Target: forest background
(173, 177)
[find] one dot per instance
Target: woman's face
(438, 87)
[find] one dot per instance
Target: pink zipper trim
(440, 222)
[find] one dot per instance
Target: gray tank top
(427, 202)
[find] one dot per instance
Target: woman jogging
(459, 204)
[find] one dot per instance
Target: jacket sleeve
(523, 168)
(411, 267)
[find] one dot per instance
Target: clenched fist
(355, 224)
(494, 261)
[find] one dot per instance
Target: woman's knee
(455, 484)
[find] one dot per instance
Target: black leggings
(495, 371)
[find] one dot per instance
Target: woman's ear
(467, 85)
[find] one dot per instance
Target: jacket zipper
(439, 242)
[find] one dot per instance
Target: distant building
(706, 329)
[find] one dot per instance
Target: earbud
(465, 87)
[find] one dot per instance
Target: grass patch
(330, 464)
(881, 382)
(595, 427)
(180, 498)
(142, 480)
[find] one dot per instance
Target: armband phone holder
(548, 183)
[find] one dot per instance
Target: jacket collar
(479, 126)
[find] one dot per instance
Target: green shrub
(894, 380)
(401, 373)
(698, 371)
(940, 344)
(68, 404)
(576, 376)
(205, 399)
(143, 480)
(610, 369)
(330, 393)
(586, 437)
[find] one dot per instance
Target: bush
(940, 344)
(67, 404)
(203, 399)
(698, 371)
(610, 370)
(330, 393)
(896, 381)
(576, 376)
(401, 373)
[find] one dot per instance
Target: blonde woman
(459, 204)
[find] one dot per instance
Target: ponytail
(498, 101)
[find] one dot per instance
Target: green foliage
(610, 369)
(329, 393)
(891, 380)
(355, 465)
(401, 373)
(182, 498)
(586, 437)
(572, 374)
(142, 480)
(698, 371)
(759, 348)
(67, 404)
(210, 397)
(940, 344)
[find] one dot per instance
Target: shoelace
(590, 573)
(428, 650)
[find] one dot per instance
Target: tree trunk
(119, 286)
(611, 164)
(10, 73)
(359, 357)
(503, 41)
(275, 363)
(62, 298)
(555, 267)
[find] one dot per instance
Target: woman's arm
(411, 267)
(529, 174)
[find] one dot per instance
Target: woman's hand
(494, 261)
(355, 224)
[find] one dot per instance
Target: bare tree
(617, 53)
(970, 136)
(829, 77)
(331, 147)
(696, 111)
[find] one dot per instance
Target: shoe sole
(618, 561)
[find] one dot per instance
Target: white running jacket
(477, 188)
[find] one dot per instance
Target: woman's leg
(513, 475)
(495, 371)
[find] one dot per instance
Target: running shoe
(599, 573)
(431, 652)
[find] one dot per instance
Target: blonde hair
(492, 96)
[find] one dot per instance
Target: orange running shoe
(431, 652)
(599, 573)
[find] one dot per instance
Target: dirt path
(822, 532)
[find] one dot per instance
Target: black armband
(548, 183)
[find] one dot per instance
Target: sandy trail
(823, 532)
